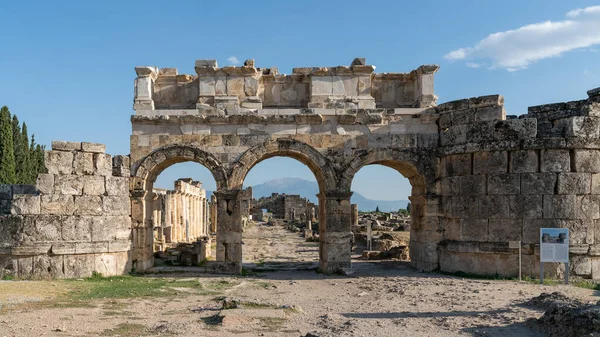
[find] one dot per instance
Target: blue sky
(66, 67)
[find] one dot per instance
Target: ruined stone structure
(284, 206)
(74, 221)
(179, 215)
(479, 178)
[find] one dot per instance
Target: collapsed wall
(503, 180)
(74, 221)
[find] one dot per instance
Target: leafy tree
(408, 208)
(7, 155)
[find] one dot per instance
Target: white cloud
(233, 60)
(473, 65)
(517, 49)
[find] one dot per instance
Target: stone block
(60, 204)
(588, 206)
(472, 185)
(117, 186)
(490, 162)
(24, 189)
(595, 183)
(587, 161)
(494, 207)
(93, 147)
(474, 229)
(560, 207)
(93, 185)
(457, 165)
(25, 204)
(11, 228)
(507, 183)
(504, 230)
(465, 206)
(88, 205)
(78, 266)
(6, 192)
(523, 161)
(102, 164)
(44, 183)
(58, 162)
(47, 267)
(83, 163)
(76, 228)
(59, 145)
(574, 183)
(453, 135)
(105, 264)
(207, 86)
(449, 186)
(555, 161)
(250, 86)
(538, 183)
(47, 229)
(525, 206)
(581, 266)
(116, 205)
(121, 166)
(531, 229)
(451, 228)
(68, 185)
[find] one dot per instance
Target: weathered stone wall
(503, 180)
(354, 86)
(283, 205)
(74, 221)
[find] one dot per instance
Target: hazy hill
(309, 190)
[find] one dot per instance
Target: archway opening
(181, 212)
(281, 215)
(381, 211)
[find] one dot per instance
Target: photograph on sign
(554, 245)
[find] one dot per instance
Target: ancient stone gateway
(479, 179)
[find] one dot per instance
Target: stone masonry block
(588, 207)
(116, 205)
(587, 161)
(494, 207)
(523, 161)
(121, 166)
(531, 229)
(580, 231)
(596, 183)
(472, 185)
(474, 229)
(538, 183)
(93, 185)
(560, 207)
(555, 161)
(68, 184)
(24, 189)
(83, 163)
(102, 164)
(465, 206)
(6, 192)
(45, 183)
(507, 183)
(88, 205)
(25, 204)
(525, 206)
(574, 183)
(59, 204)
(93, 147)
(449, 186)
(77, 228)
(58, 162)
(457, 165)
(490, 162)
(59, 145)
(504, 230)
(117, 186)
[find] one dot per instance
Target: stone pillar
(229, 230)
(213, 213)
(334, 232)
(200, 207)
(142, 253)
(354, 214)
(168, 216)
(144, 87)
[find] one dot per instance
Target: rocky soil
(383, 298)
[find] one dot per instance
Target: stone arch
(421, 171)
(284, 147)
(147, 170)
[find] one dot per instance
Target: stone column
(213, 213)
(167, 230)
(142, 252)
(354, 214)
(144, 87)
(229, 230)
(335, 235)
(200, 208)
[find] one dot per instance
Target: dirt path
(383, 299)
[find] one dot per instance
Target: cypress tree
(7, 154)
(28, 175)
(21, 147)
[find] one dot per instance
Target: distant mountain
(308, 189)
